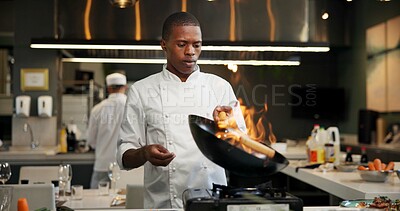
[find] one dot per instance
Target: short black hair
(178, 19)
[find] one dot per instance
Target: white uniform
(157, 112)
(104, 126)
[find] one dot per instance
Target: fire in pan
(230, 156)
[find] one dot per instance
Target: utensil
(310, 166)
(5, 172)
(229, 156)
(374, 176)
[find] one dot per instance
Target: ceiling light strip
(265, 48)
(163, 61)
(204, 48)
(84, 46)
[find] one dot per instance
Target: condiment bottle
(364, 157)
(63, 141)
(312, 144)
(349, 156)
(316, 144)
(329, 153)
(71, 140)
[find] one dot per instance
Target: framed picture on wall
(34, 79)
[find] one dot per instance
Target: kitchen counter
(92, 201)
(326, 208)
(297, 152)
(44, 158)
(345, 185)
(82, 163)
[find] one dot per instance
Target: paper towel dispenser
(45, 106)
(23, 105)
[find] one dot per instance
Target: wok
(229, 156)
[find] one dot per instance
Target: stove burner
(263, 190)
(220, 197)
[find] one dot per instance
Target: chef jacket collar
(167, 75)
(115, 95)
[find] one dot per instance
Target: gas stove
(224, 198)
(243, 164)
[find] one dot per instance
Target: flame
(255, 128)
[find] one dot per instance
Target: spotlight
(123, 3)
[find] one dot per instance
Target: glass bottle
(349, 157)
(364, 157)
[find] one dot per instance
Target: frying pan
(229, 156)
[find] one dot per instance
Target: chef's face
(182, 49)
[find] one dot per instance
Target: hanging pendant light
(123, 3)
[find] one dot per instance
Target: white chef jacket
(157, 112)
(104, 125)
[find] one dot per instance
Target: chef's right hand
(226, 110)
(158, 155)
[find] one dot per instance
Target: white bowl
(374, 176)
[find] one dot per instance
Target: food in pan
(229, 131)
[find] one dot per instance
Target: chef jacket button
(173, 169)
(174, 196)
(166, 115)
(170, 142)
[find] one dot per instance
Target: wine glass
(65, 176)
(5, 197)
(5, 172)
(114, 175)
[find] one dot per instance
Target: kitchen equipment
(229, 156)
(219, 198)
(347, 167)
(45, 106)
(239, 162)
(23, 105)
(374, 176)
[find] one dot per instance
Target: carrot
(389, 166)
(362, 168)
(377, 164)
(371, 166)
(383, 166)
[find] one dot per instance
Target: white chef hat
(116, 79)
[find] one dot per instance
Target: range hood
(257, 32)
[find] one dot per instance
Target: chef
(155, 131)
(104, 124)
